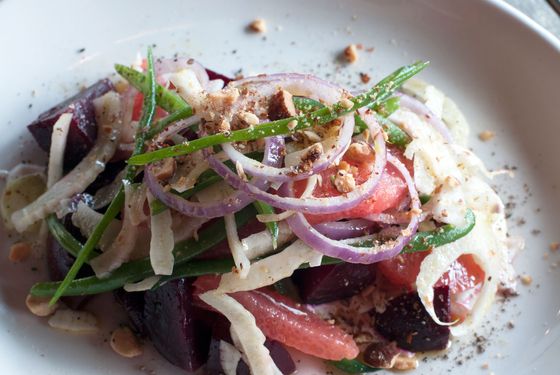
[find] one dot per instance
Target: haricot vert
(380, 92)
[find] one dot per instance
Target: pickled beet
(330, 283)
(407, 322)
(83, 128)
(174, 326)
(133, 305)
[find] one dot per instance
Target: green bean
(166, 99)
(159, 126)
(394, 134)
(114, 208)
(158, 206)
(65, 238)
(272, 226)
(423, 241)
(377, 94)
(388, 107)
(424, 198)
(352, 366)
(140, 269)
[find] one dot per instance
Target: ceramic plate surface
(502, 70)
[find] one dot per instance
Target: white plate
(500, 67)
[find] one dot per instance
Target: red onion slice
(235, 202)
(312, 205)
(231, 204)
(338, 230)
(365, 255)
(296, 84)
(277, 174)
(425, 113)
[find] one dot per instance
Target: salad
(240, 221)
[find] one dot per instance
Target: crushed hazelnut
(74, 321)
(281, 106)
(351, 53)
(364, 77)
(39, 306)
(311, 155)
(346, 103)
(405, 363)
(125, 343)
(164, 169)
(240, 171)
(248, 118)
(258, 26)
(344, 181)
(359, 151)
(554, 246)
(486, 135)
(292, 124)
(526, 279)
(19, 252)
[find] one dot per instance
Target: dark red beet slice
(83, 128)
(133, 304)
(215, 75)
(330, 283)
(220, 331)
(106, 177)
(173, 326)
(406, 321)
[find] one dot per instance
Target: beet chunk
(220, 332)
(406, 321)
(330, 283)
(83, 128)
(174, 326)
(133, 304)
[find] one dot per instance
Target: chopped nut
(125, 343)
(486, 135)
(240, 171)
(312, 136)
(485, 366)
(281, 106)
(74, 321)
(164, 169)
(39, 306)
(346, 103)
(554, 246)
(405, 363)
(248, 118)
(344, 181)
(364, 77)
(258, 26)
(19, 252)
(351, 53)
(360, 152)
(526, 279)
(313, 153)
(292, 124)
